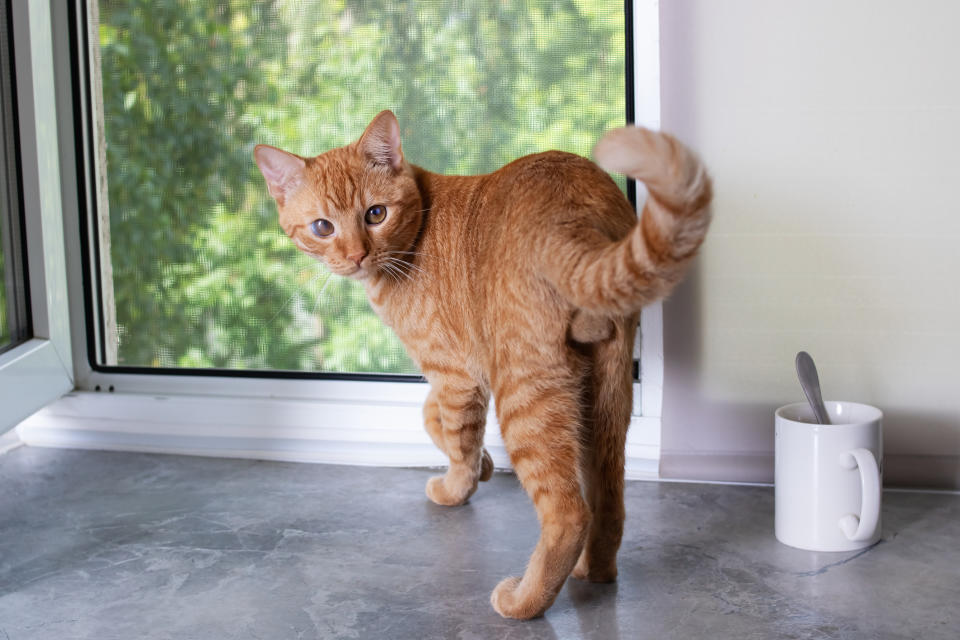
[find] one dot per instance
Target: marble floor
(120, 545)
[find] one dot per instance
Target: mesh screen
(202, 276)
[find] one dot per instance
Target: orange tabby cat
(525, 283)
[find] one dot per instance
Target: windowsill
(347, 431)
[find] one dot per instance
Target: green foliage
(203, 276)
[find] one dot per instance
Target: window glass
(199, 274)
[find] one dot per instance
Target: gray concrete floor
(120, 545)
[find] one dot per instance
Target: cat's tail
(623, 276)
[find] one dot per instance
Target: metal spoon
(807, 372)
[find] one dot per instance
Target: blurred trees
(203, 276)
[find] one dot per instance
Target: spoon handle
(807, 372)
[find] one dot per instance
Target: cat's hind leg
(455, 416)
(539, 416)
(610, 400)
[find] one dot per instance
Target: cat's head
(349, 207)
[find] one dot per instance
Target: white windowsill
(348, 431)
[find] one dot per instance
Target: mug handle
(863, 527)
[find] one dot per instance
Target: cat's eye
(375, 214)
(321, 227)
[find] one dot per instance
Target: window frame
(12, 234)
(39, 370)
(306, 410)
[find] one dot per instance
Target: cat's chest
(407, 311)
(422, 317)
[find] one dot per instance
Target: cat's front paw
(441, 490)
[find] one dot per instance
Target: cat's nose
(357, 257)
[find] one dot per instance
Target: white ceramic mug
(828, 478)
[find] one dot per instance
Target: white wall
(832, 130)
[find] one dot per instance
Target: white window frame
(333, 421)
(40, 370)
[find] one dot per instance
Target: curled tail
(621, 277)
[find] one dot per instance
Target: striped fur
(524, 284)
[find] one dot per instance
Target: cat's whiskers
(396, 268)
(422, 276)
(391, 271)
(403, 265)
(326, 283)
(407, 263)
(296, 291)
(419, 253)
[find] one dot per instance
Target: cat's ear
(381, 141)
(284, 171)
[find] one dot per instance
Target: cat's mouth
(347, 269)
(356, 273)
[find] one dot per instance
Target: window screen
(195, 271)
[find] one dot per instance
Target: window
(192, 271)
(165, 287)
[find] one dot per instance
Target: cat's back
(482, 239)
(515, 209)
(535, 193)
